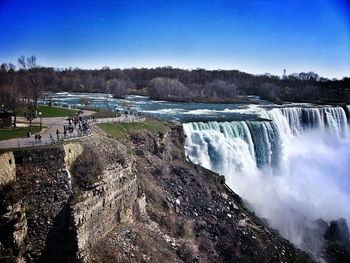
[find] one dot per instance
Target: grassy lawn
(120, 130)
(55, 111)
(10, 133)
(99, 113)
(46, 111)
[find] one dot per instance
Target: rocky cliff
(133, 200)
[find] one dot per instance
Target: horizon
(258, 37)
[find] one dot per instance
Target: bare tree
(31, 62)
(117, 87)
(4, 67)
(32, 73)
(22, 62)
(11, 97)
(165, 88)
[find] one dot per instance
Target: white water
(292, 170)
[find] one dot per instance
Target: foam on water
(291, 170)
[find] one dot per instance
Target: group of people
(77, 123)
(37, 138)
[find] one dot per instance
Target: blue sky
(255, 36)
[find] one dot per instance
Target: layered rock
(185, 213)
(8, 168)
(147, 204)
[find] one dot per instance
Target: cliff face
(147, 204)
(36, 206)
(185, 213)
(107, 203)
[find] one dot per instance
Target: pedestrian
(36, 138)
(51, 138)
(58, 135)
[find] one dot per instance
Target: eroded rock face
(43, 181)
(99, 210)
(337, 241)
(46, 217)
(13, 227)
(185, 213)
(8, 168)
(35, 208)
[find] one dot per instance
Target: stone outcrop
(185, 213)
(109, 203)
(8, 170)
(43, 180)
(46, 217)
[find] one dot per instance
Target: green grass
(10, 133)
(46, 111)
(120, 130)
(99, 113)
(55, 111)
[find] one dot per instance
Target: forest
(26, 82)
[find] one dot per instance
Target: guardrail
(76, 134)
(120, 119)
(53, 140)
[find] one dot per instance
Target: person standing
(58, 135)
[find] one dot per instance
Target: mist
(309, 181)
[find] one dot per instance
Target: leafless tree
(166, 88)
(11, 94)
(31, 62)
(22, 62)
(32, 74)
(117, 87)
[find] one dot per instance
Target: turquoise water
(175, 111)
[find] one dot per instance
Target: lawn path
(57, 123)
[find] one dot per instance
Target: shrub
(87, 169)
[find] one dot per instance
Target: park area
(47, 111)
(22, 124)
(119, 130)
(18, 132)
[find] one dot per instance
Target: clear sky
(256, 36)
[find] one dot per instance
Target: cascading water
(291, 170)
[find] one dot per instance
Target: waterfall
(291, 170)
(265, 139)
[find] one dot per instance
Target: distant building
(5, 118)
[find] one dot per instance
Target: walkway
(57, 123)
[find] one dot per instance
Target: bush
(87, 169)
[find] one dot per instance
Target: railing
(120, 119)
(53, 140)
(76, 134)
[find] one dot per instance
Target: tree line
(25, 83)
